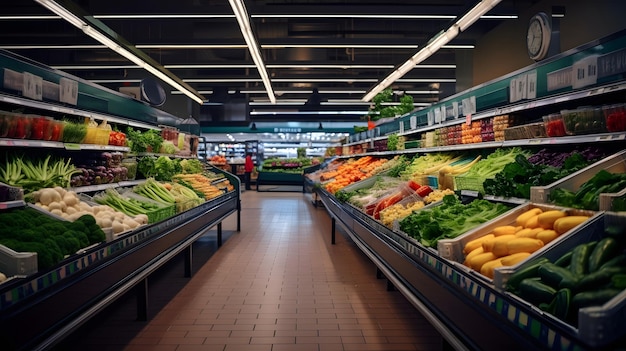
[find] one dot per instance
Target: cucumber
(564, 260)
(562, 303)
(604, 251)
(580, 259)
(619, 260)
(594, 298)
(536, 292)
(525, 272)
(598, 278)
(618, 281)
(556, 276)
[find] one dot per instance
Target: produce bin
(597, 325)
(14, 263)
(615, 163)
(452, 249)
(609, 201)
(163, 212)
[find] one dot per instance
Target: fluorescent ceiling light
(191, 46)
(438, 41)
(100, 37)
(63, 47)
(339, 46)
(221, 80)
(96, 67)
(377, 16)
(475, 13)
(164, 16)
(28, 17)
(278, 102)
(323, 80)
(332, 66)
(427, 80)
(243, 19)
(207, 66)
(458, 46)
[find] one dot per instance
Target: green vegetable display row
(590, 274)
(450, 219)
(28, 230)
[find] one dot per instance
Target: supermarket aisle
(277, 285)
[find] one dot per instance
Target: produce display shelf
(59, 145)
(88, 281)
(17, 100)
(482, 316)
(12, 204)
(158, 155)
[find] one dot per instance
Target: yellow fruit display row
(509, 244)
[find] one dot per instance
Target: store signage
(68, 91)
(32, 86)
(287, 130)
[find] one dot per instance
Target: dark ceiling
(305, 45)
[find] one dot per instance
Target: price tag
(413, 122)
(3, 206)
(33, 86)
(68, 91)
(604, 138)
(70, 146)
(534, 141)
(531, 85)
(468, 119)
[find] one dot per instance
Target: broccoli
(67, 243)
(48, 252)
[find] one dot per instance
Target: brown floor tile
(275, 284)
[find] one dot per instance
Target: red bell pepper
(424, 190)
(413, 185)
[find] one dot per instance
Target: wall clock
(538, 36)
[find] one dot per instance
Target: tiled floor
(277, 285)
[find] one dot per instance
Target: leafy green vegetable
(192, 166)
(588, 195)
(449, 220)
(147, 141)
(161, 168)
(516, 178)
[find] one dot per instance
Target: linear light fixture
(165, 16)
(378, 16)
(191, 46)
(243, 19)
(63, 47)
(433, 45)
(208, 66)
(90, 67)
(117, 47)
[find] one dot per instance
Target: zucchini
(536, 292)
(594, 298)
(598, 278)
(604, 251)
(556, 276)
(580, 259)
(525, 272)
(564, 260)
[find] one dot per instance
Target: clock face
(534, 37)
(538, 36)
